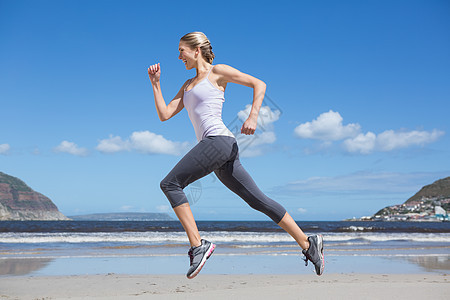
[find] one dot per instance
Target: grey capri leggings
(221, 155)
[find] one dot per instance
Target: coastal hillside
(431, 203)
(19, 202)
(438, 189)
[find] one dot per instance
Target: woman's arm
(230, 74)
(165, 112)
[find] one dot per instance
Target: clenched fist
(154, 73)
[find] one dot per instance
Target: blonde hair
(199, 39)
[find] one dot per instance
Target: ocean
(160, 247)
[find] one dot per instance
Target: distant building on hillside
(440, 213)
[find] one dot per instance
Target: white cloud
(363, 143)
(327, 127)
(250, 145)
(266, 117)
(4, 148)
(113, 144)
(267, 137)
(127, 208)
(148, 142)
(364, 182)
(70, 148)
(390, 140)
(163, 208)
(142, 141)
(301, 210)
(253, 145)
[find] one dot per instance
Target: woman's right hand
(154, 73)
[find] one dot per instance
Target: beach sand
(209, 286)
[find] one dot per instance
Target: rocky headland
(18, 202)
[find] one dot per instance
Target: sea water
(244, 247)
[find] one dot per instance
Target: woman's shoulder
(223, 69)
(219, 68)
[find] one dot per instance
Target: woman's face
(187, 55)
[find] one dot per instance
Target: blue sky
(355, 118)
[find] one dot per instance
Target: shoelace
(191, 256)
(306, 260)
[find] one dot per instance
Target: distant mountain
(426, 205)
(19, 202)
(438, 189)
(123, 217)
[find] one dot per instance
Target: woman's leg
(235, 177)
(208, 155)
(289, 225)
(186, 218)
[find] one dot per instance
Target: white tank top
(204, 105)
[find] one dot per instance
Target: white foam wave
(97, 237)
(217, 236)
(358, 228)
(386, 237)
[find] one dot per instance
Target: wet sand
(209, 286)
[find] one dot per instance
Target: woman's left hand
(249, 126)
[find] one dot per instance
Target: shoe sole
(322, 256)
(209, 252)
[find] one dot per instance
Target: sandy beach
(362, 261)
(328, 286)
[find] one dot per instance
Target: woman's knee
(173, 192)
(169, 184)
(163, 184)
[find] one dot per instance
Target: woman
(217, 149)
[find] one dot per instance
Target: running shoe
(315, 253)
(198, 256)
